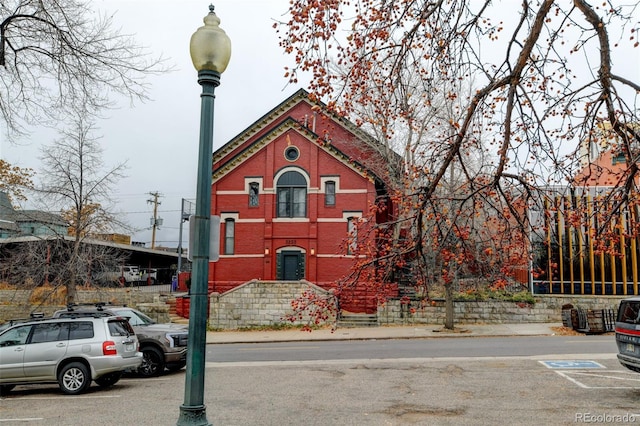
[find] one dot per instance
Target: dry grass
(48, 295)
(6, 286)
(566, 331)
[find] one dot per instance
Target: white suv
(70, 352)
(162, 345)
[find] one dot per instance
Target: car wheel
(176, 366)
(108, 379)
(152, 362)
(74, 378)
(5, 389)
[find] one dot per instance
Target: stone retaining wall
(258, 303)
(546, 309)
(16, 303)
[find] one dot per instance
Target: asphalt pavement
(420, 391)
(383, 332)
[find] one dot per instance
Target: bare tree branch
(61, 56)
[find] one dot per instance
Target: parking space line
(573, 377)
(580, 373)
(572, 364)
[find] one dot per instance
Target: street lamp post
(210, 52)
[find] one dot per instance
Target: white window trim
(225, 216)
(347, 215)
(291, 219)
(291, 248)
(303, 172)
(249, 180)
(325, 179)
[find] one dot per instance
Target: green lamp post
(210, 52)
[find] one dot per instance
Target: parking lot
(500, 390)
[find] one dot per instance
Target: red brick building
(290, 190)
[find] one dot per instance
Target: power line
(147, 211)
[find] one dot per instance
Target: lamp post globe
(210, 50)
(210, 46)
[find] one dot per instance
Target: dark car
(628, 333)
(164, 346)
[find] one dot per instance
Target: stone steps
(176, 319)
(349, 320)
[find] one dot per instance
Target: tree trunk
(71, 284)
(448, 305)
(71, 290)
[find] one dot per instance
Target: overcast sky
(159, 139)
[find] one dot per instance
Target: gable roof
(277, 121)
(259, 124)
(287, 124)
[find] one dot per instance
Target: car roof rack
(85, 314)
(39, 316)
(74, 310)
(98, 305)
(33, 316)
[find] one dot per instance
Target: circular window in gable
(291, 153)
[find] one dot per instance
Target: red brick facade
(286, 189)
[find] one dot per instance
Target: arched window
(292, 195)
(229, 236)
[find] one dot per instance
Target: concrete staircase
(350, 320)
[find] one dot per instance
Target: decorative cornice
(290, 124)
(261, 123)
(287, 124)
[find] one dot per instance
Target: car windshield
(135, 317)
(629, 312)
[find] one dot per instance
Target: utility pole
(155, 220)
(184, 217)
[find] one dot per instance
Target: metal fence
(579, 250)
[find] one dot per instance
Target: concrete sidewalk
(383, 332)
